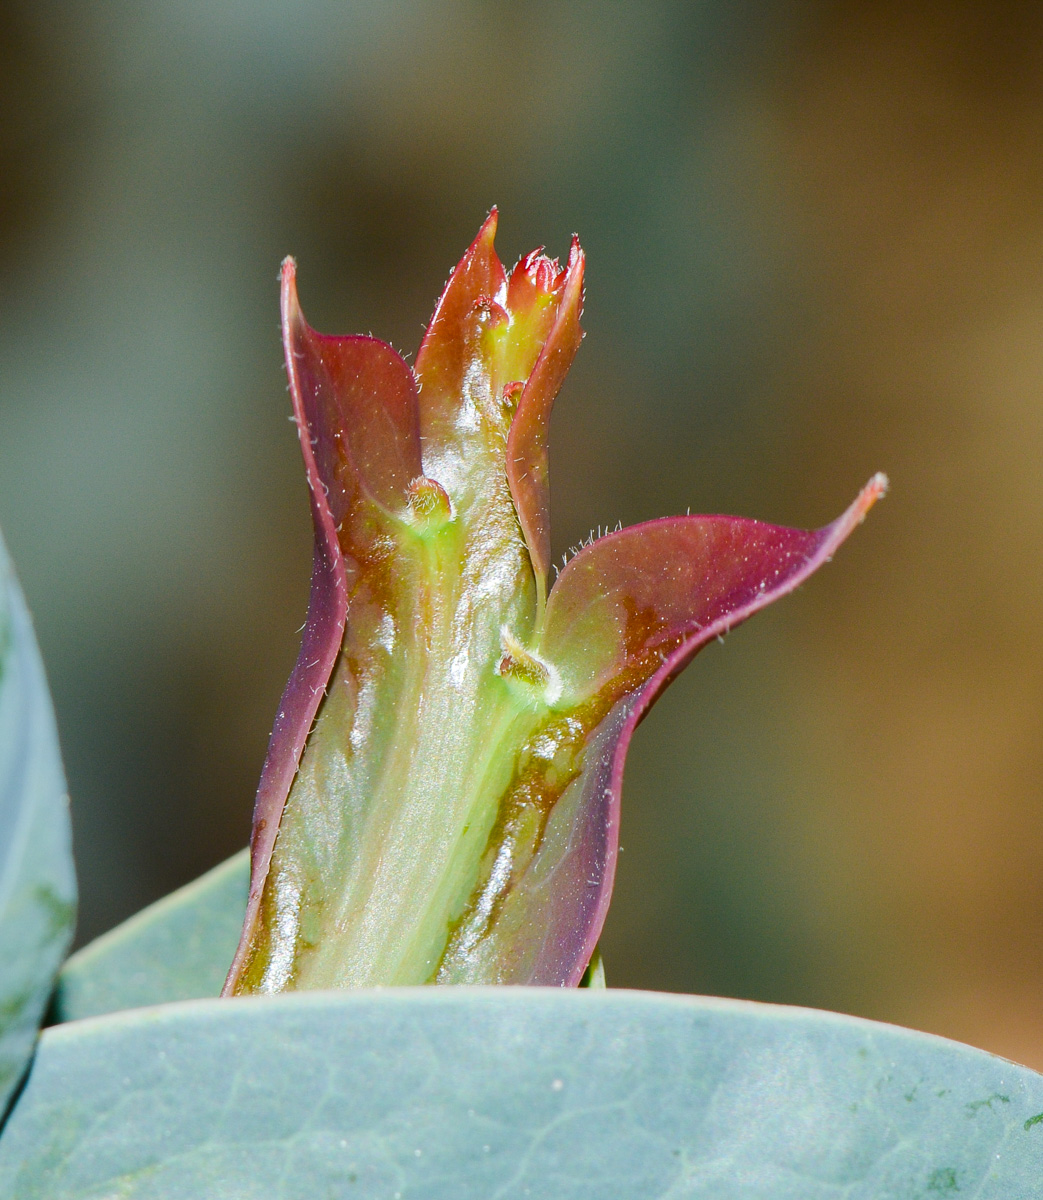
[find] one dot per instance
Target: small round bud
(511, 395)
(489, 313)
(429, 503)
(521, 666)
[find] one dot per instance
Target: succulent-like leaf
(625, 615)
(37, 885)
(356, 409)
(528, 457)
(450, 364)
(452, 814)
(467, 1094)
(176, 949)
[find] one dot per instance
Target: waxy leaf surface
(176, 949)
(37, 885)
(470, 1094)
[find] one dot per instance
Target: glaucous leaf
(176, 949)
(37, 884)
(468, 1094)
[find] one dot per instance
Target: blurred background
(815, 240)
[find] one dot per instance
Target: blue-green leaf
(37, 885)
(470, 1094)
(179, 948)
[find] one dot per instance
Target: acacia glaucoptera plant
(440, 803)
(440, 799)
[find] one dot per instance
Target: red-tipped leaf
(528, 462)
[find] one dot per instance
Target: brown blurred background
(815, 235)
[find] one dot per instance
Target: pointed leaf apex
(527, 450)
(874, 490)
(448, 351)
(488, 229)
(291, 307)
(573, 273)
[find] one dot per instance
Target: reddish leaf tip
(527, 456)
(289, 301)
(487, 233)
(574, 272)
(874, 490)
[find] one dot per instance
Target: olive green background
(815, 240)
